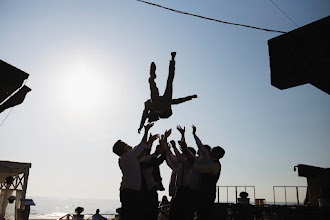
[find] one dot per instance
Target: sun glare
(82, 89)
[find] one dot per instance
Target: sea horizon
(47, 207)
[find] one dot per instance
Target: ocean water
(56, 207)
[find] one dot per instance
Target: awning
(8, 168)
(11, 85)
(302, 56)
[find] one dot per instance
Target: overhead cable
(283, 12)
(211, 19)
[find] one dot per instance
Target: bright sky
(89, 63)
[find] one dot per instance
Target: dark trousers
(138, 205)
(150, 203)
(205, 206)
(181, 206)
(167, 96)
(131, 206)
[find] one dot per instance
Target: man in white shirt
(130, 189)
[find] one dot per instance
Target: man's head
(192, 150)
(97, 211)
(217, 153)
(208, 148)
(121, 147)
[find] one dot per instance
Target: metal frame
(297, 192)
(218, 189)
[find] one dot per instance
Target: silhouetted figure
(160, 106)
(210, 169)
(78, 215)
(151, 180)
(203, 179)
(97, 216)
(131, 184)
(180, 204)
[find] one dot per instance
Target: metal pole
(274, 194)
(218, 195)
(297, 195)
(236, 193)
(254, 193)
(286, 202)
(227, 194)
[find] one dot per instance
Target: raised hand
(194, 96)
(148, 126)
(172, 143)
(152, 138)
(167, 133)
(181, 130)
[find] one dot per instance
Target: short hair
(192, 150)
(208, 148)
(117, 147)
(219, 152)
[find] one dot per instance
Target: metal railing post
(286, 202)
(274, 194)
(297, 194)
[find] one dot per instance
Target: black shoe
(153, 70)
(173, 55)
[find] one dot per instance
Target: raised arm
(171, 160)
(180, 157)
(146, 130)
(181, 130)
(144, 114)
(151, 140)
(145, 143)
(200, 145)
(184, 99)
(184, 148)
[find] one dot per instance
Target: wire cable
(13, 106)
(283, 12)
(211, 19)
(7, 116)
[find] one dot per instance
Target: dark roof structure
(302, 56)
(12, 90)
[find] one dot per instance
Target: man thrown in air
(160, 106)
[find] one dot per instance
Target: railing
(297, 192)
(218, 191)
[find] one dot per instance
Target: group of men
(194, 177)
(193, 180)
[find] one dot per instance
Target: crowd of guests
(192, 187)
